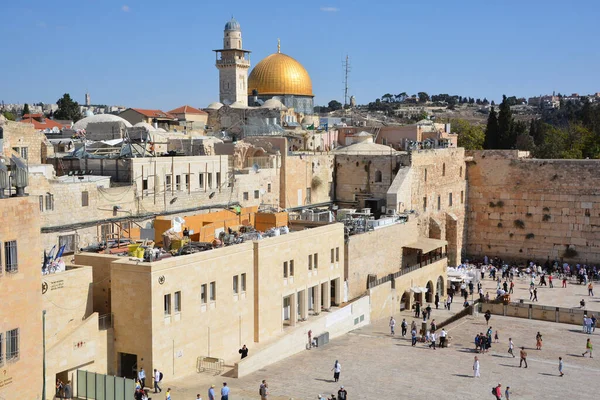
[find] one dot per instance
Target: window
(308, 196)
(450, 199)
(218, 176)
(203, 294)
(316, 260)
(332, 256)
(462, 197)
(22, 151)
(41, 203)
(425, 203)
(10, 256)
(243, 282)
(85, 198)
(291, 267)
(439, 202)
(269, 188)
(378, 177)
(444, 169)
(168, 182)
(209, 180)
(246, 196)
(187, 181)
(167, 305)
(1, 346)
(68, 241)
(177, 302)
(310, 264)
(425, 175)
(337, 254)
(201, 181)
(12, 344)
(49, 201)
(213, 291)
(460, 172)
(256, 194)
(285, 269)
(235, 284)
(177, 182)
(384, 141)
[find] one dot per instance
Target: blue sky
(157, 54)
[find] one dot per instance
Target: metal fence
(209, 364)
(372, 280)
(91, 385)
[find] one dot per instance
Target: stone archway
(440, 286)
(405, 301)
(430, 293)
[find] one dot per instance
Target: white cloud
(330, 9)
(125, 8)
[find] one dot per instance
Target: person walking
(337, 369)
(550, 281)
(498, 392)
(511, 346)
(588, 348)
(487, 317)
(68, 390)
(560, 366)
(507, 393)
(198, 397)
(448, 302)
(413, 334)
(211, 392)
(590, 289)
(243, 351)
(432, 341)
(417, 309)
(523, 355)
(392, 325)
(535, 294)
(538, 341)
(564, 281)
(476, 373)
(225, 391)
(142, 377)
(157, 379)
(404, 325)
(511, 288)
(168, 394)
(530, 293)
(496, 338)
(342, 394)
(437, 302)
(263, 390)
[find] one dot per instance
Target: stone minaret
(88, 100)
(233, 63)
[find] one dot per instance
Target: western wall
(532, 209)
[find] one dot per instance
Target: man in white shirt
(157, 374)
(443, 338)
(432, 341)
(476, 368)
(142, 377)
(392, 325)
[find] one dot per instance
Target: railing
(91, 385)
(209, 364)
(372, 280)
(105, 322)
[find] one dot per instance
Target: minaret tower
(233, 63)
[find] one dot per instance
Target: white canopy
(417, 289)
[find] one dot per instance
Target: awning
(417, 289)
(426, 244)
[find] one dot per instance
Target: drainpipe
(44, 354)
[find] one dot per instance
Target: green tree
(491, 140)
(9, 116)
(423, 97)
(506, 134)
(335, 105)
(68, 109)
(470, 136)
(26, 109)
(387, 97)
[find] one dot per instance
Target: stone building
(233, 63)
(21, 315)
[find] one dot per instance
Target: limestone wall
(309, 171)
(522, 209)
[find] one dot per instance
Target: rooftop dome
(233, 25)
(274, 104)
(83, 123)
(149, 128)
(280, 74)
(238, 104)
(89, 113)
(366, 147)
(215, 105)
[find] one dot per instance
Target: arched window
(460, 172)
(444, 169)
(425, 174)
(378, 177)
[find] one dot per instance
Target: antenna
(347, 69)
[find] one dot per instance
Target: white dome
(274, 104)
(147, 126)
(214, 105)
(89, 113)
(83, 123)
(238, 104)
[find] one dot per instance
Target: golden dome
(279, 74)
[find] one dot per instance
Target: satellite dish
(262, 192)
(255, 168)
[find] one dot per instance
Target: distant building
(190, 118)
(156, 118)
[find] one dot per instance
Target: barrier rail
(209, 364)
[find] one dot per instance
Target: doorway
(405, 302)
(128, 365)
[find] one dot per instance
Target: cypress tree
(506, 134)
(491, 131)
